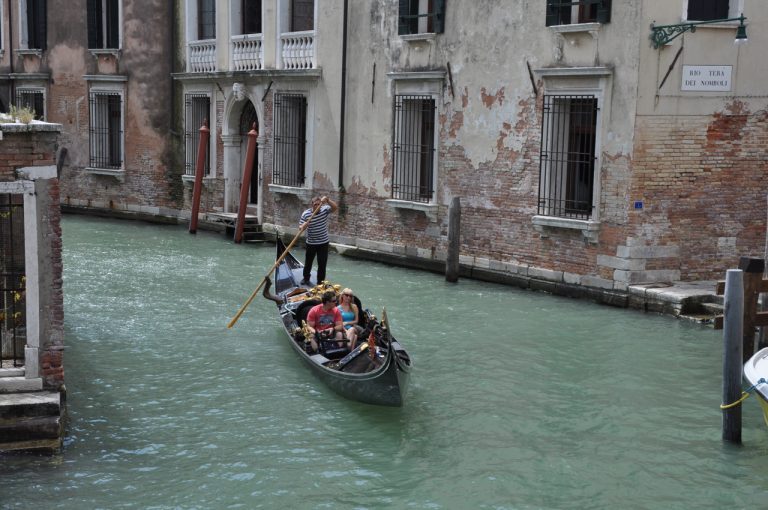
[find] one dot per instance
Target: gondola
(375, 372)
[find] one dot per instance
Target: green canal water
(519, 400)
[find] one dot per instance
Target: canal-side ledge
(695, 301)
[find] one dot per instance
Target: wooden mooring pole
(732, 353)
(454, 241)
(245, 186)
(202, 148)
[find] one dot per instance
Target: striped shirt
(317, 232)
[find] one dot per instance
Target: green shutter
(439, 21)
(604, 11)
(552, 11)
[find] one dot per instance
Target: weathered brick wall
(702, 179)
(21, 148)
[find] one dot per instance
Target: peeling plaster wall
(144, 59)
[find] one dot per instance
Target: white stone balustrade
(247, 52)
(298, 50)
(202, 56)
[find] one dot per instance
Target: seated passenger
(350, 316)
(325, 319)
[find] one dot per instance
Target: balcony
(247, 52)
(202, 56)
(297, 50)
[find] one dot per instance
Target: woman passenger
(350, 316)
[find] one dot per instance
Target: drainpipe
(12, 94)
(343, 100)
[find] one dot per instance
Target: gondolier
(318, 239)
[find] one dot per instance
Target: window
(707, 10)
(290, 139)
(206, 19)
(251, 22)
(103, 24)
(34, 27)
(413, 148)
(13, 322)
(197, 108)
(567, 163)
(421, 17)
(106, 129)
(32, 98)
(302, 15)
(566, 12)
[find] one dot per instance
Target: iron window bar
(197, 108)
(12, 281)
(34, 99)
(413, 148)
(290, 140)
(106, 133)
(567, 156)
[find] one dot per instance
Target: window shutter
(113, 25)
(551, 14)
(707, 10)
(37, 28)
(94, 24)
(439, 20)
(604, 11)
(403, 22)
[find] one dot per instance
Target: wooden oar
(277, 263)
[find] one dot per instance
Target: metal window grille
(567, 163)
(197, 108)
(106, 130)
(13, 319)
(413, 149)
(206, 19)
(565, 12)
(290, 139)
(34, 99)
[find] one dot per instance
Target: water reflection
(518, 399)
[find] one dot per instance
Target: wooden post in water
(454, 241)
(202, 148)
(753, 275)
(732, 353)
(245, 186)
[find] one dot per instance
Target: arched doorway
(248, 120)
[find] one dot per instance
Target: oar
(277, 263)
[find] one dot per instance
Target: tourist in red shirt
(324, 317)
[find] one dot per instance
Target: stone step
(27, 429)
(713, 308)
(12, 372)
(28, 405)
(20, 384)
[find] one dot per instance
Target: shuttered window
(106, 130)
(421, 17)
(206, 19)
(707, 10)
(566, 12)
(103, 24)
(37, 24)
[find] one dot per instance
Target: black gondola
(376, 372)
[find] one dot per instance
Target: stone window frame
(35, 89)
(579, 26)
(425, 83)
(595, 81)
(24, 31)
(305, 191)
(104, 49)
(211, 145)
(108, 85)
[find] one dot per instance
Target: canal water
(519, 400)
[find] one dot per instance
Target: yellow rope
(744, 396)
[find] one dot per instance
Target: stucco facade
(578, 150)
